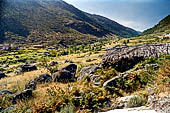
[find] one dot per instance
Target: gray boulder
(27, 68)
(72, 68)
(2, 75)
(22, 95)
(43, 78)
(66, 74)
(87, 71)
(63, 76)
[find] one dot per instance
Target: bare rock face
(123, 58)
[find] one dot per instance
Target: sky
(137, 14)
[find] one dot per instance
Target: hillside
(162, 26)
(40, 21)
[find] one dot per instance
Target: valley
(55, 58)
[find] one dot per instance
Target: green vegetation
(49, 22)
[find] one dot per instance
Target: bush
(136, 101)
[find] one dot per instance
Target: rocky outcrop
(43, 78)
(2, 75)
(123, 58)
(66, 74)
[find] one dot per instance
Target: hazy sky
(137, 14)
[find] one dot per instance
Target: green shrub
(136, 101)
(70, 108)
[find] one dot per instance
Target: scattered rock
(43, 78)
(2, 75)
(22, 95)
(87, 71)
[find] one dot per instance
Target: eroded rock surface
(123, 58)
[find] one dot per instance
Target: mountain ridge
(25, 20)
(162, 26)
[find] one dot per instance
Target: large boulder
(123, 58)
(22, 95)
(63, 76)
(2, 75)
(66, 74)
(26, 68)
(43, 78)
(87, 71)
(72, 68)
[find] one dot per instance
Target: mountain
(162, 26)
(39, 21)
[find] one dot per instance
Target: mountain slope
(162, 26)
(34, 21)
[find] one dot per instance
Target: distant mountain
(38, 21)
(162, 26)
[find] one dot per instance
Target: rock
(66, 74)
(43, 78)
(4, 66)
(95, 79)
(72, 68)
(123, 58)
(22, 95)
(53, 63)
(130, 110)
(1, 109)
(112, 82)
(9, 109)
(63, 76)
(26, 68)
(87, 71)
(162, 105)
(68, 61)
(2, 75)
(153, 66)
(6, 92)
